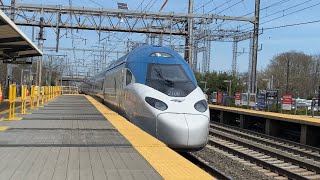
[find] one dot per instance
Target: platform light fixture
(205, 86)
(228, 81)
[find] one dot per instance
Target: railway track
(204, 165)
(281, 157)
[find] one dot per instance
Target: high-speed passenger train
(156, 90)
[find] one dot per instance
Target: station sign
(237, 99)
(272, 94)
(261, 99)
(252, 99)
(244, 99)
(287, 102)
(214, 97)
(219, 98)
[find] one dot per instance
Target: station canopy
(14, 44)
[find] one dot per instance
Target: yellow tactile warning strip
(3, 128)
(271, 115)
(165, 161)
(73, 94)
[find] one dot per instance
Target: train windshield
(170, 79)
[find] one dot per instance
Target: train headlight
(201, 106)
(156, 103)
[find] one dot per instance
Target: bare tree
(293, 73)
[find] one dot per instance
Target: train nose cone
(182, 130)
(198, 130)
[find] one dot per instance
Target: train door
(121, 86)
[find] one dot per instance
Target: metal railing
(69, 90)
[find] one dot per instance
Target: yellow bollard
(37, 94)
(32, 97)
(12, 100)
(47, 94)
(0, 93)
(23, 99)
(12, 103)
(42, 95)
(50, 93)
(54, 92)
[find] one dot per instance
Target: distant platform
(76, 136)
(305, 128)
(308, 120)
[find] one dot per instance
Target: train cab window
(128, 77)
(170, 79)
(161, 54)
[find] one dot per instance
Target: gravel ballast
(230, 167)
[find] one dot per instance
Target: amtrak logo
(177, 100)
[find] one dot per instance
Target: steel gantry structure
(118, 20)
(101, 19)
(206, 36)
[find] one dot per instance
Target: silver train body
(155, 89)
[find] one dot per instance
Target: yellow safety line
(270, 114)
(164, 160)
(3, 128)
(12, 119)
(73, 94)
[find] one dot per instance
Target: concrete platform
(308, 127)
(71, 138)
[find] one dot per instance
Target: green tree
(215, 82)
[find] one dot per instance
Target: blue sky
(303, 38)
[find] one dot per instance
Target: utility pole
(9, 66)
(255, 47)
(58, 32)
(12, 14)
(40, 45)
(234, 58)
(188, 43)
(288, 71)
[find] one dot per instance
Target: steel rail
(257, 161)
(291, 143)
(268, 152)
(200, 163)
(267, 143)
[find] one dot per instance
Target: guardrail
(23, 99)
(45, 94)
(69, 90)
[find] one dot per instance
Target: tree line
(292, 72)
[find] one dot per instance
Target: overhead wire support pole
(255, 47)
(40, 44)
(189, 36)
(12, 13)
(58, 31)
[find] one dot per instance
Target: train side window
(128, 77)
